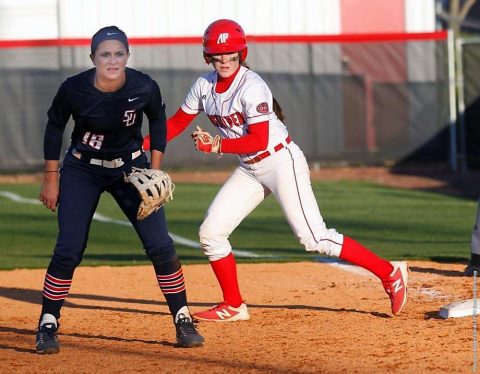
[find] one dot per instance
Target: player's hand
(205, 142)
(50, 191)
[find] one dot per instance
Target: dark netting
(368, 103)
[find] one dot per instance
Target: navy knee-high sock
(56, 287)
(172, 284)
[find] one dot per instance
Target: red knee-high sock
(354, 252)
(225, 270)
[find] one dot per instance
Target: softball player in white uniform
(240, 105)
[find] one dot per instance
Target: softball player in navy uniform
(249, 122)
(107, 104)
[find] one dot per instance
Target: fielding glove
(154, 187)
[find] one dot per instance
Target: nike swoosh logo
(135, 98)
(112, 33)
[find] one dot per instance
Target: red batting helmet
(224, 36)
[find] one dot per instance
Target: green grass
(394, 223)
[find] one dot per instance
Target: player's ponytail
(278, 110)
(276, 106)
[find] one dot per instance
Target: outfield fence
(365, 99)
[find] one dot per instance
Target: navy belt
(111, 164)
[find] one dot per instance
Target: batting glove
(205, 142)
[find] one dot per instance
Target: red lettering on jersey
(228, 121)
(215, 120)
(235, 119)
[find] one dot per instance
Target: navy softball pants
(81, 185)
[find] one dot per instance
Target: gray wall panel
(326, 107)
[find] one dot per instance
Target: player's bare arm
(50, 186)
(156, 158)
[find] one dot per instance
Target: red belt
(263, 155)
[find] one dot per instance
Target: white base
(462, 308)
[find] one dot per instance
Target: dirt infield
(306, 318)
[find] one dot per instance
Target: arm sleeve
(58, 116)
(255, 140)
(155, 112)
(177, 123)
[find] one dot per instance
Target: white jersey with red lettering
(281, 169)
(247, 101)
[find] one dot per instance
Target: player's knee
(329, 243)
(161, 251)
(214, 243)
(210, 233)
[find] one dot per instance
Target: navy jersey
(107, 124)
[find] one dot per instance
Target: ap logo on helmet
(222, 38)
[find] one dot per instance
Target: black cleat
(187, 335)
(474, 265)
(47, 340)
(471, 268)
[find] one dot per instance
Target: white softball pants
(286, 175)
